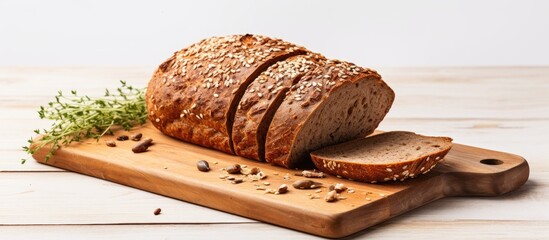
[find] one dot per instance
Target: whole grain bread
(193, 96)
(265, 96)
(387, 156)
(332, 103)
(261, 100)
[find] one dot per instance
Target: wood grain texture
(501, 108)
(169, 169)
(460, 229)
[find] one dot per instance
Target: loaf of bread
(384, 157)
(264, 98)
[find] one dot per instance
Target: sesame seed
(389, 170)
(216, 95)
(157, 119)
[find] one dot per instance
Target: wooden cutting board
(169, 169)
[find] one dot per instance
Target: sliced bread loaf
(387, 156)
(193, 96)
(333, 103)
(261, 100)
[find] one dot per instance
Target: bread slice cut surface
(387, 156)
(334, 103)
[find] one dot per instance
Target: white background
(369, 33)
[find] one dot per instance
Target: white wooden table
(505, 109)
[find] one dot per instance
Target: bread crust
(307, 97)
(262, 99)
(374, 173)
(194, 94)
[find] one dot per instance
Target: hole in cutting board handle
(491, 161)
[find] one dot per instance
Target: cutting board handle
(483, 173)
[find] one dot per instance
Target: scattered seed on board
(254, 171)
(110, 143)
(122, 138)
(282, 189)
(258, 176)
(338, 187)
(237, 181)
(157, 211)
(142, 146)
(332, 196)
(203, 166)
(136, 137)
(233, 169)
(270, 191)
(306, 184)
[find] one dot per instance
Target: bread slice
(387, 156)
(193, 96)
(333, 103)
(261, 100)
